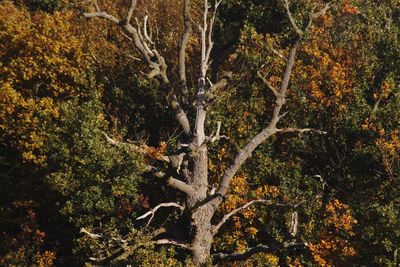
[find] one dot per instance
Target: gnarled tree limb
(179, 185)
(155, 61)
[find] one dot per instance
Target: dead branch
(276, 52)
(294, 220)
(103, 15)
(130, 11)
(217, 135)
(222, 83)
(140, 149)
(173, 243)
(97, 236)
(91, 235)
(315, 15)
(300, 130)
(245, 206)
(185, 39)
(206, 36)
(206, 47)
(147, 49)
(153, 211)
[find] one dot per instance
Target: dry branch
(153, 211)
(245, 206)
(300, 130)
(146, 47)
(185, 39)
(172, 242)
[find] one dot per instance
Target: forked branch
(158, 67)
(217, 135)
(291, 18)
(147, 49)
(152, 212)
(206, 36)
(245, 206)
(280, 95)
(266, 82)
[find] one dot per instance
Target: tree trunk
(201, 215)
(203, 238)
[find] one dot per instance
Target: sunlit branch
(245, 206)
(152, 212)
(173, 243)
(300, 130)
(130, 11)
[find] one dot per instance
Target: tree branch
(91, 235)
(153, 211)
(206, 39)
(103, 15)
(158, 68)
(146, 47)
(130, 11)
(217, 135)
(97, 236)
(173, 243)
(200, 136)
(210, 32)
(179, 185)
(266, 82)
(245, 206)
(185, 39)
(276, 52)
(315, 15)
(140, 149)
(280, 95)
(258, 249)
(300, 130)
(291, 18)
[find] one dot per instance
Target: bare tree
(194, 182)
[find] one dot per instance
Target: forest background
(81, 121)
